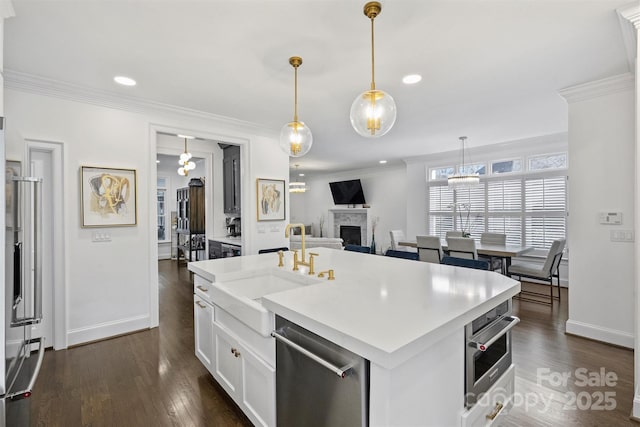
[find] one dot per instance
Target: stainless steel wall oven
(487, 350)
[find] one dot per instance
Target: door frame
(56, 150)
(154, 130)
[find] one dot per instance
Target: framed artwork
(271, 199)
(108, 197)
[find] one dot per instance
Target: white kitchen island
(406, 317)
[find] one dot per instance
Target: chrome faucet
(297, 262)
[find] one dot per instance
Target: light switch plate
(622, 235)
(101, 236)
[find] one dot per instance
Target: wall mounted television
(347, 192)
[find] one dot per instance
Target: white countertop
(385, 309)
(228, 240)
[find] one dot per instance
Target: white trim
(60, 255)
(6, 9)
(58, 89)
(107, 329)
(600, 333)
(635, 412)
(597, 88)
(629, 19)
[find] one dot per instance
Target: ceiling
(491, 69)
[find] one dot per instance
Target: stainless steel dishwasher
(318, 383)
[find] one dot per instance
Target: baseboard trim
(599, 333)
(635, 411)
(107, 330)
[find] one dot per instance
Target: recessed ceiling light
(411, 79)
(186, 136)
(382, 162)
(125, 81)
(300, 174)
(157, 161)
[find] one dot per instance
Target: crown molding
(629, 18)
(597, 88)
(39, 85)
(6, 9)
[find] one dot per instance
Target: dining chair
(358, 248)
(396, 236)
(549, 270)
(266, 251)
(466, 262)
(462, 247)
(402, 254)
(453, 234)
(429, 249)
(500, 239)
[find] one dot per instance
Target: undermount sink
(240, 293)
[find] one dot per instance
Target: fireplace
(351, 235)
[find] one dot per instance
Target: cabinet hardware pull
(201, 305)
(233, 350)
(202, 288)
(495, 411)
(237, 353)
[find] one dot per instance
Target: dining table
(506, 252)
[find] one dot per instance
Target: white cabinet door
(227, 367)
(203, 324)
(258, 388)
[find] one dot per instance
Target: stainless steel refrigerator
(21, 353)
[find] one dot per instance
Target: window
(531, 209)
(436, 174)
(548, 161)
(506, 166)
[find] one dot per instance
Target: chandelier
(463, 178)
(297, 186)
(186, 164)
(373, 112)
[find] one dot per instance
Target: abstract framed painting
(270, 199)
(108, 197)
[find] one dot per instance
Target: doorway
(44, 159)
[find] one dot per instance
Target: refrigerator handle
(23, 394)
(36, 251)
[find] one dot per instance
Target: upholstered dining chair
(402, 254)
(429, 249)
(465, 262)
(546, 272)
(358, 248)
(462, 247)
(453, 234)
(495, 263)
(396, 236)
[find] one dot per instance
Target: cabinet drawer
(202, 288)
(493, 406)
(265, 347)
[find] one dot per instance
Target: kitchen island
(406, 318)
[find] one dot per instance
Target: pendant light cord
(295, 95)
(373, 80)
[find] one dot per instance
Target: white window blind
(529, 209)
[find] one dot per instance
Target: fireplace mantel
(350, 216)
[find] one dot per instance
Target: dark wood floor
(149, 378)
(152, 378)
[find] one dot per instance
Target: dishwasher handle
(341, 372)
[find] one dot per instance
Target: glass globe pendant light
(373, 112)
(186, 164)
(295, 136)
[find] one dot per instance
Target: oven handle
(513, 321)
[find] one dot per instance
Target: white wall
(602, 170)
(111, 288)
(385, 190)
